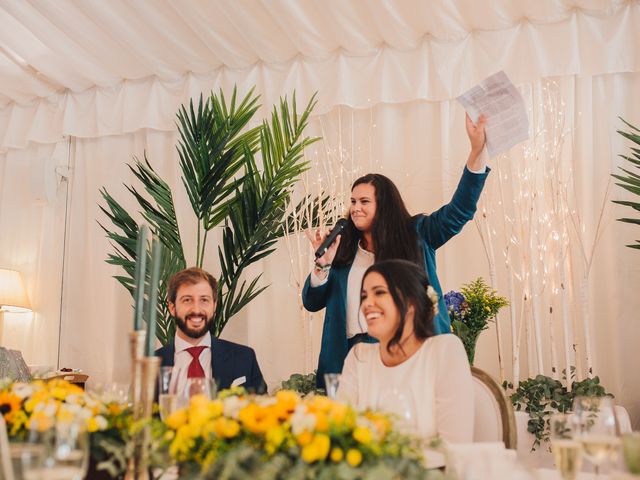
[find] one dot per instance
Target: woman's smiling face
(379, 308)
(363, 206)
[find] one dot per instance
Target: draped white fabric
(92, 69)
(111, 75)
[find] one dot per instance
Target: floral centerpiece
(286, 436)
(470, 311)
(40, 404)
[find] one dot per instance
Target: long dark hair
(393, 233)
(407, 284)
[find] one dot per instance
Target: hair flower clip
(433, 296)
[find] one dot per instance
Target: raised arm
(448, 220)
(477, 161)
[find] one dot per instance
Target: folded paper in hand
(503, 107)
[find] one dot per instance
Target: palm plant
(631, 182)
(226, 188)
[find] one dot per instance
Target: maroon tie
(195, 368)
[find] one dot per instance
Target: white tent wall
(378, 110)
(420, 145)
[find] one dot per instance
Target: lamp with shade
(13, 296)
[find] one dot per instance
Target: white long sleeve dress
(437, 378)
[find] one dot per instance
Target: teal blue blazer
(433, 231)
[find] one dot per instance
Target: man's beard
(190, 332)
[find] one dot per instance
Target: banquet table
(551, 474)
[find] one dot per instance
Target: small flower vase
(469, 341)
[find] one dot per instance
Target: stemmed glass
(198, 386)
(60, 451)
(167, 392)
(595, 429)
(567, 451)
(332, 383)
(399, 403)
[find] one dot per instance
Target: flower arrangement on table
(39, 404)
(470, 310)
(286, 436)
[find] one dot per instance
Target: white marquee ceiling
(66, 65)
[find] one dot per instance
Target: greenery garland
(544, 396)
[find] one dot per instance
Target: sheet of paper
(502, 105)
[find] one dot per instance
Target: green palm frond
(256, 220)
(219, 162)
(630, 182)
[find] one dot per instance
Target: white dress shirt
(182, 360)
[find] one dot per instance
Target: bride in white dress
(425, 376)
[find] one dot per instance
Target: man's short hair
(190, 276)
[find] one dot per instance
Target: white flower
(232, 406)
(301, 420)
(23, 390)
(433, 296)
(101, 422)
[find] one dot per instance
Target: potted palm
(238, 179)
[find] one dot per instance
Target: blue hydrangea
(456, 303)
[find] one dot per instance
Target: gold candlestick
(149, 377)
(136, 350)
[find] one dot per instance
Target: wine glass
(595, 429)
(332, 382)
(198, 386)
(567, 451)
(167, 392)
(58, 452)
(399, 403)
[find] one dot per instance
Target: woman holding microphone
(379, 227)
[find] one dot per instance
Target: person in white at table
(411, 368)
(195, 352)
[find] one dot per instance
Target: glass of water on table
(567, 450)
(167, 391)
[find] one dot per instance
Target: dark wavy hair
(393, 233)
(407, 284)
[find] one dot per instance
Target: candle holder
(150, 366)
(136, 350)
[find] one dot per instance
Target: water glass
(167, 392)
(198, 386)
(631, 450)
(58, 452)
(567, 451)
(399, 403)
(595, 429)
(332, 383)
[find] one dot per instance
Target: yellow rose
(286, 402)
(92, 425)
(226, 428)
(337, 455)
(354, 457)
(305, 438)
(322, 423)
(198, 403)
(323, 444)
(215, 408)
(317, 449)
(177, 419)
(362, 435)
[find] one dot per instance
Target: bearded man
(195, 352)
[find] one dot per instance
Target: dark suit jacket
(229, 361)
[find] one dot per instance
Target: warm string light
(537, 252)
(333, 168)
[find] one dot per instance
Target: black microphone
(337, 230)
